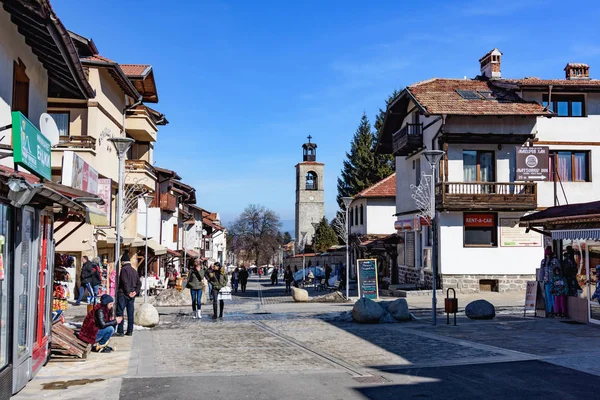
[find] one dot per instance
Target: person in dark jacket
(243, 278)
(99, 325)
(129, 288)
(96, 277)
(87, 271)
(195, 277)
(288, 277)
(274, 276)
(218, 279)
(328, 271)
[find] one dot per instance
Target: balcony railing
(407, 139)
(168, 202)
(486, 196)
(77, 142)
(140, 166)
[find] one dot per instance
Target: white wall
(358, 229)
(12, 48)
(380, 215)
(154, 220)
(455, 259)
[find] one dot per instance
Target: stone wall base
(411, 275)
(472, 283)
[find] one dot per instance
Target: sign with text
(512, 235)
(105, 193)
(78, 174)
(367, 279)
(533, 164)
(477, 220)
(530, 296)
(31, 149)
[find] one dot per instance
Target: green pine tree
(326, 236)
(363, 168)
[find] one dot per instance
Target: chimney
(490, 64)
(577, 71)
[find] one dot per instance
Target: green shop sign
(31, 149)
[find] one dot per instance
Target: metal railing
(77, 142)
(410, 135)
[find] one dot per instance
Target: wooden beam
(69, 234)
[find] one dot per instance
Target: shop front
(574, 233)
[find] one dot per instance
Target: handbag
(225, 293)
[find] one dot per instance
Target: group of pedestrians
(239, 277)
(91, 278)
(217, 279)
(559, 280)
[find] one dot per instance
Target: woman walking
(218, 279)
(196, 275)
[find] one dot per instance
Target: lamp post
(147, 199)
(347, 201)
(122, 144)
(433, 158)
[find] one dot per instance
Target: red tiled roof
(134, 69)
(7, 171)
(440, 96)
(534, 81)
(98, 57)
(383, 188)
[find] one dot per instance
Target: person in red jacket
(99, 325)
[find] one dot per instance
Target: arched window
(311, 181)
(361, 215)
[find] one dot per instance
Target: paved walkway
(267, 346)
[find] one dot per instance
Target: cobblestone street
(269, 348)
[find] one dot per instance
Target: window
(351, 217)
(478, 166)
(355, 215)
(311, 181)
(62, 122)
(175, 233)
(481, 230)
(573, 166)
(362, 215)
(566, 105)
(20, 100)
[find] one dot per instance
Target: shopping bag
(225, 293)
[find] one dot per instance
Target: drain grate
(371, 379)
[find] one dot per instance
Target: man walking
(244, 278)
(129, 288)
(87, 272)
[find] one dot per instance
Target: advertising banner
(105, 193)
(367, 279)
(512, 235)
(78, 174)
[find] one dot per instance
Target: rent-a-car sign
(532, 164)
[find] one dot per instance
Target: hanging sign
(367, 279)
(31, 149)
(533, 164)
(105, 193)
(78, 174)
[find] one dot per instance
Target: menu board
(367, 279)
(410, 249)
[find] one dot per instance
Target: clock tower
(310, 192)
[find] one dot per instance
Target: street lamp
(147, 199)
(347, 201)
(122, 144)
(433, 157)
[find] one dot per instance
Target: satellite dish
(49, 128)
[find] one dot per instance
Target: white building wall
(358, 229)
(455, 259)
(380, 217)
(154, 220)
(13, 48)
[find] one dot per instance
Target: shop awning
(157, 248)
(173, 253)
(96, 217)
(192, 253)
(110, 237)
(576, 234)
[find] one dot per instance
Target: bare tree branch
(340, 226)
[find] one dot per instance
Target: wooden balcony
(168, 202)
(407, 139)
(140, 172)
(495, 196)
(77, 142)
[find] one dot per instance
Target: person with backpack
(99, 325)
(195, 277)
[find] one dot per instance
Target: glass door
(592, 279)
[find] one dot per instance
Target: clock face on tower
(311, 198)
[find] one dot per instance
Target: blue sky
(244, 82)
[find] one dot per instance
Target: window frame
(479, 229)
(569, 98)
(588, 167)
(362, 219)
(315, 185)
(478, 165)
(68, 120)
